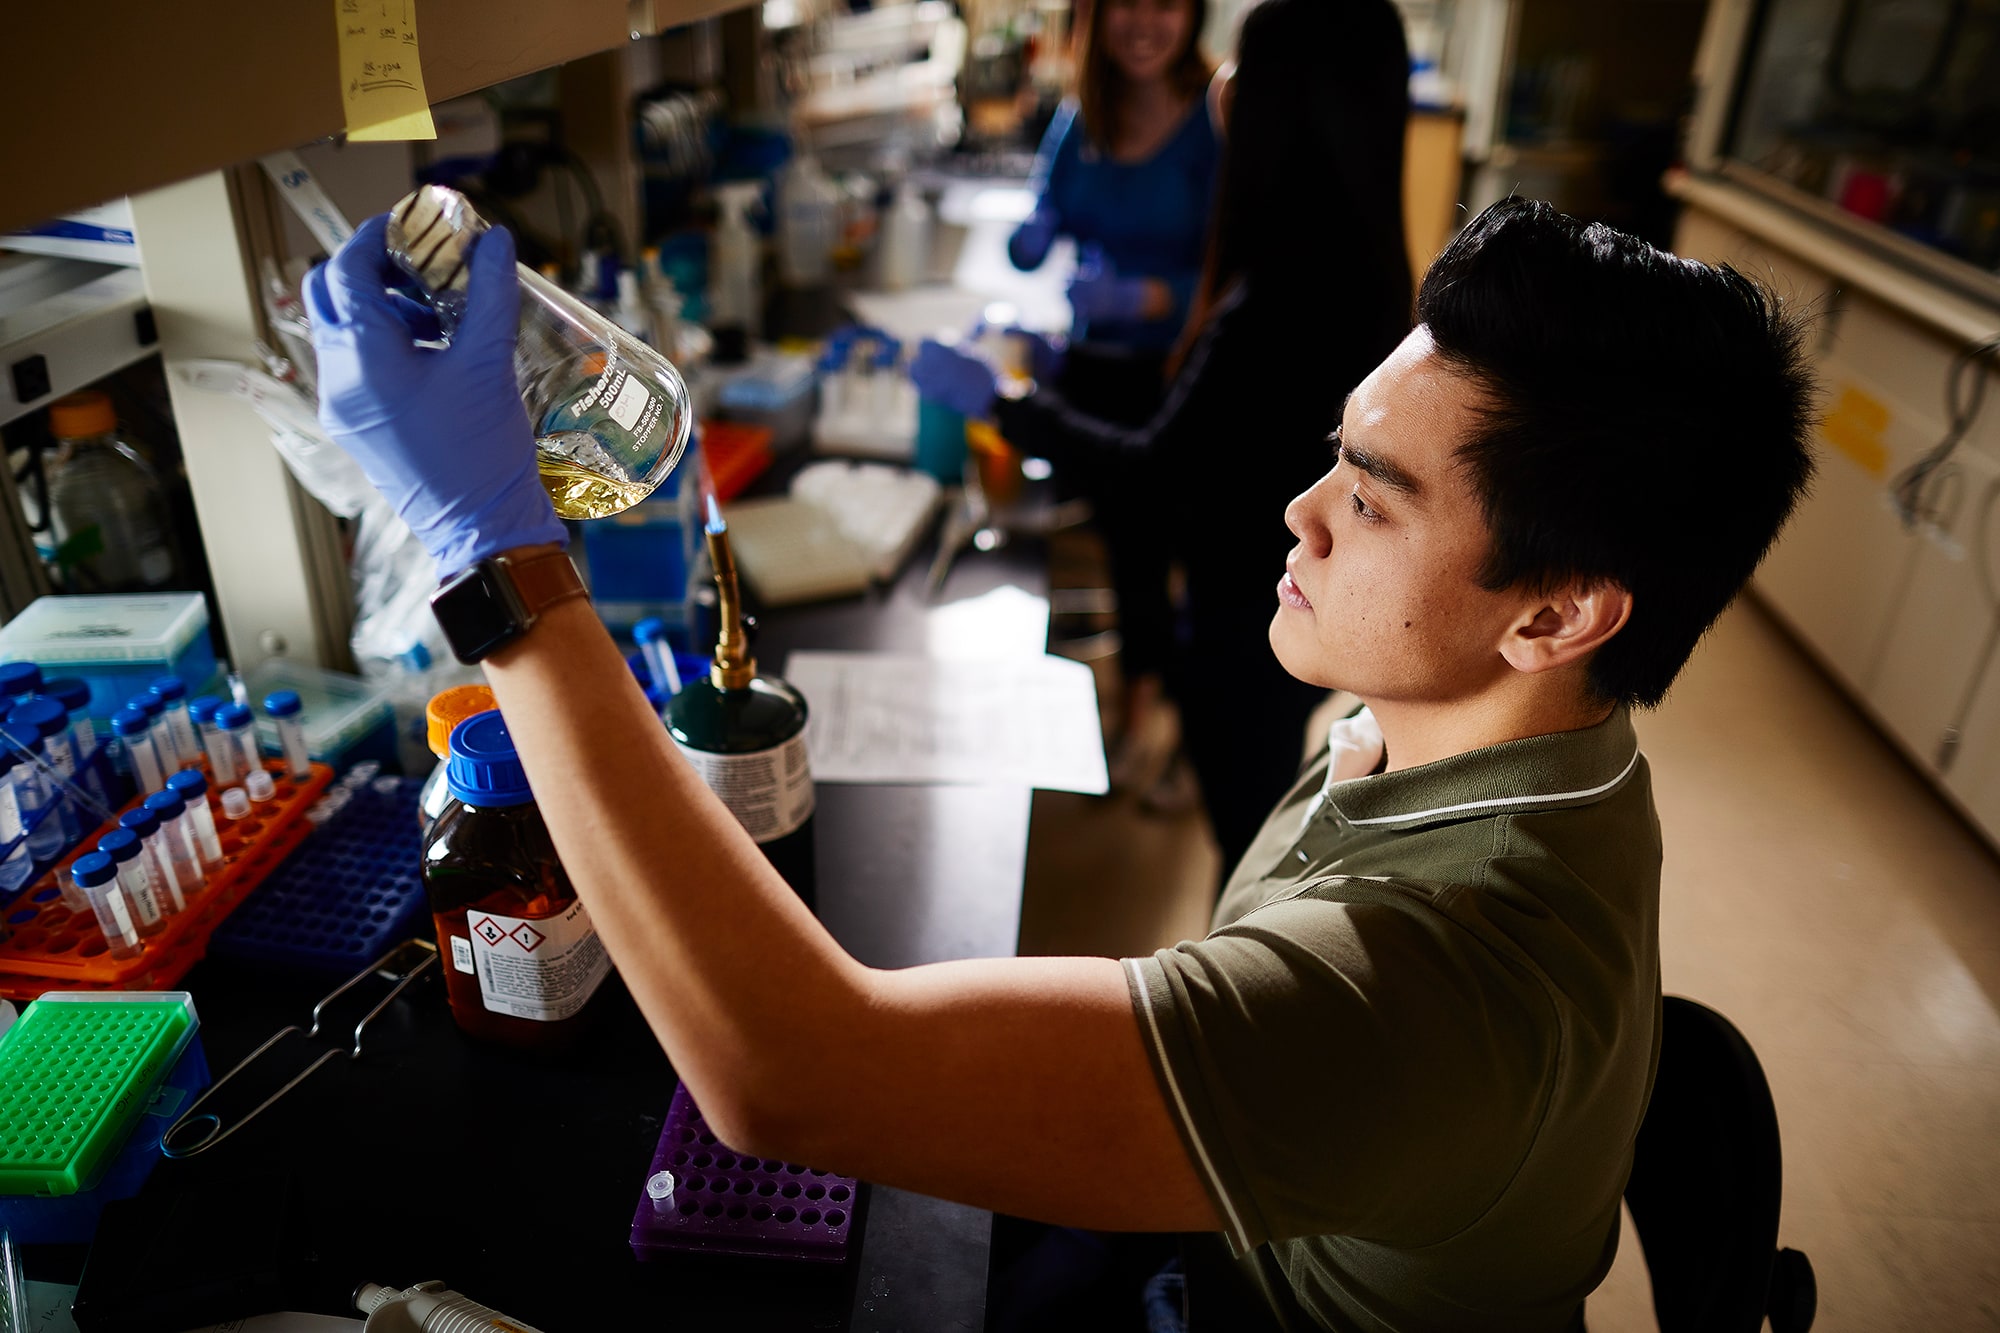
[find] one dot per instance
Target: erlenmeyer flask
(611, 415)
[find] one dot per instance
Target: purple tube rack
(726, 1203)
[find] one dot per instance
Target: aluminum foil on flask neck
(611, 415)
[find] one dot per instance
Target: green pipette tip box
(76, 1070)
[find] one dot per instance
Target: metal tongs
(400, 966)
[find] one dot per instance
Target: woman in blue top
(1126, 170)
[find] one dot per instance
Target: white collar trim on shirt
(1543, 798)
(1355, 748)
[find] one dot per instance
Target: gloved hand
(1098, 293)
(1031, 241)
(440, 432)
(1045, 354)
(955, 377)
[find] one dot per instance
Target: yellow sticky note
(381, 77)
(1855, 427)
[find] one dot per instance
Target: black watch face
(478, 612)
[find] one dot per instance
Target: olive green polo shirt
(1410, 1060)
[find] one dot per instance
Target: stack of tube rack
(48, 946)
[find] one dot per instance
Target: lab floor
(1818, 893)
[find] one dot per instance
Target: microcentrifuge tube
(97, 875)
(235, 804)
(284, 708)
(132, 727)
(651, 636)
(164, 744)
(192, 788)
(135, 876)
(146, 824)
(660, 1189)
(239, 730)
(171, 691)
(222, 752)
(177, 835)
(260, 785)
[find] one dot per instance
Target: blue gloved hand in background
(1098, 293)
(959, 379)
(440, 432)
(1032, 240)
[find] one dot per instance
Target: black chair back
(1706, 1182)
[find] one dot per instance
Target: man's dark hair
(1646, 421)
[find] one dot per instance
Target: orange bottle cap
(450, 707)
(82, 414)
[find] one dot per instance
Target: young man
(1401, 1079)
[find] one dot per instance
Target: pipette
(428, 1307)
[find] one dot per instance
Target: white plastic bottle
(808, 222)
(105, 503)
(906, 240)
(631, 312)
(735, 295)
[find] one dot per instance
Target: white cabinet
(1974, 776)
(1898, 612)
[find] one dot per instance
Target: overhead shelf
(65, 323)
(101, 103)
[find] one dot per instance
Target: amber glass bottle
(522, 962)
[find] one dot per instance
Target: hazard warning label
(544, 969)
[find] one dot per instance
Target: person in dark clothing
(1127, 171)
(1306, 288)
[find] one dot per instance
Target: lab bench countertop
(513, 1179)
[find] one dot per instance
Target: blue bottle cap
(166, 805)
(189, 783)
(168, 688)
(149, 704)
(130, 722)
(283, 703)
(73, 693)
(232, 716)
(44, 714)
(121, 844)
(92, 869)
(141, 821)
(19, 678)
(202, 708)
(649, 629)
(25, 737)
(484, 771)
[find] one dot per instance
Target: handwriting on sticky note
(381, 75)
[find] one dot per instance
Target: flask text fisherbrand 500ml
(611, 416)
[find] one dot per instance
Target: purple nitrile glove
(1045, 354)
(1098, 293)
(440, 431)
(1031, 241)
(957, 378)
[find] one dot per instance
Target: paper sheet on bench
(1027, 721)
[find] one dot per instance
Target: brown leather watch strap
(542, 581)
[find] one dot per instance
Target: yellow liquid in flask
(580, 493)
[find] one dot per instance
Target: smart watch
(487, 607)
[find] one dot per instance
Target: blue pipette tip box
(352, 890)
